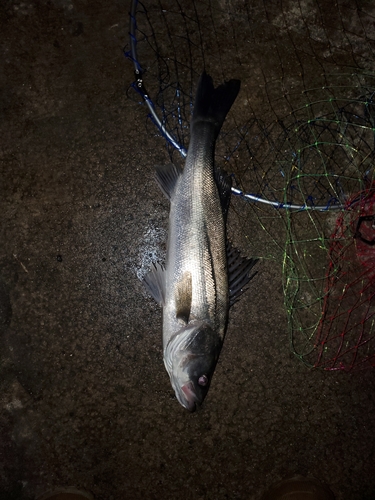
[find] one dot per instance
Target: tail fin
(212, 104)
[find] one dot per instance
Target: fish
(203, 273)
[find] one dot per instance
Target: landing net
(299, 142)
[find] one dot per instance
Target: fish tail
(212, 105)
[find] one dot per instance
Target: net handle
(138, 84)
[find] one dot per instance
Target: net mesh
(301, 133)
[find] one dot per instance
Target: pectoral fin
(238, 273)
(166, 177)
(154, 281)
(184, 297)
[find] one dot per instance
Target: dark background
(85, 399)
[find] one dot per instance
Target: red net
(346, 331)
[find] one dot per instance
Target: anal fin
(166, 177)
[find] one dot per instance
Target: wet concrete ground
(85, 399)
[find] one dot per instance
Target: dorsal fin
(238, 272)
(224, 185)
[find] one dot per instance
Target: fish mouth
(187, 397)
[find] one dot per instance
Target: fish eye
(203, 380)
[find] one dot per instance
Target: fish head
(190, 358)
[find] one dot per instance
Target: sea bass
(203, 274)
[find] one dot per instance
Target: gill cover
(190, 359)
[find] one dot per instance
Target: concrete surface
(85, 400)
